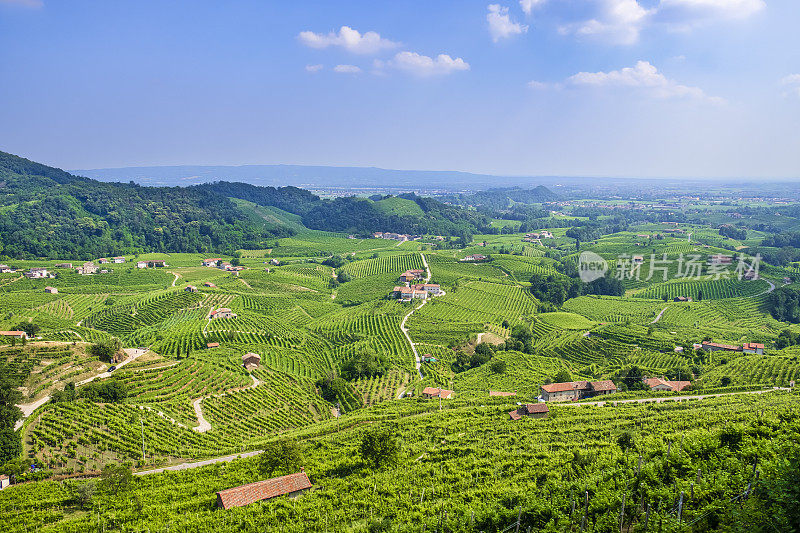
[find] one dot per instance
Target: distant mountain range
(310, 176)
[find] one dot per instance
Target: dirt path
(404, 329)
(245, 283)
(204, 425)
(656, 319)
(174, 281)
(133, 354)
(189, 466)
(675, 398)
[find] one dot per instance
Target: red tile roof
(566, 386)
(603, 385)
(498, 393)
(436, 392)
(680, 385)
(262, 490)
(12, 333)
(537, 408)
(722, 346)
(753, 346)
(212, 345)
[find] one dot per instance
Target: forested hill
(504, 198)
(405, 213)
(47, 212)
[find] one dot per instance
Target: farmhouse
(720, 259)
(749, 347)
(87, 269)
(412, 275)
(118, 259)
(211, 262)
(532, 410)
(753, 348)
(433, 392)
(212, 345)
(209, 285)
(5, 269)
(151, 263)
(222, 312)
(402, 292)
(576, 390)
(660, 384)
(430, 288)
(14, 334)
(38, 273)
(682, 299)
(474, 258)
(292, 486)
(251, 360)
(51, 290)
(428, 358)
(103, 261)
(191, 288)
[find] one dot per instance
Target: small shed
(191, 288)
(4, 481)
(51, 290)
(292, 486)
(212, 345)
(531, 410)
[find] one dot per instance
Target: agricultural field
(188, 395)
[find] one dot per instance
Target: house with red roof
(292, 486)
(575, 390)
(433, 392)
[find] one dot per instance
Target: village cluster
(418, 291)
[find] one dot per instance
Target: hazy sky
(531, 87)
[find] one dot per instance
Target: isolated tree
(29, 327)
(497, 366)
(116, 477)
(725, 381)
(281, 457)
(380, 447)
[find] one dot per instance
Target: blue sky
(650, 88)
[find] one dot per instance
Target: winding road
(28, 408)
(403, 327)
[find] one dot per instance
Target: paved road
(198, 464)
(675, 398)
(403, 327)
(28, 408)
(132, 353)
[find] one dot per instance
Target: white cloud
(313, 68)
(538, 85)
(619, 21)
(349, 39)
(346, 69)
(792, 82)
(714, 8)
(421, 65)
(644, 77)
(500, 24)
(24, 3)
(528, 5)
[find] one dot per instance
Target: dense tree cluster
(784, 304)
(555, 289)
(738, 234)
(365, 364)
(10, 445)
